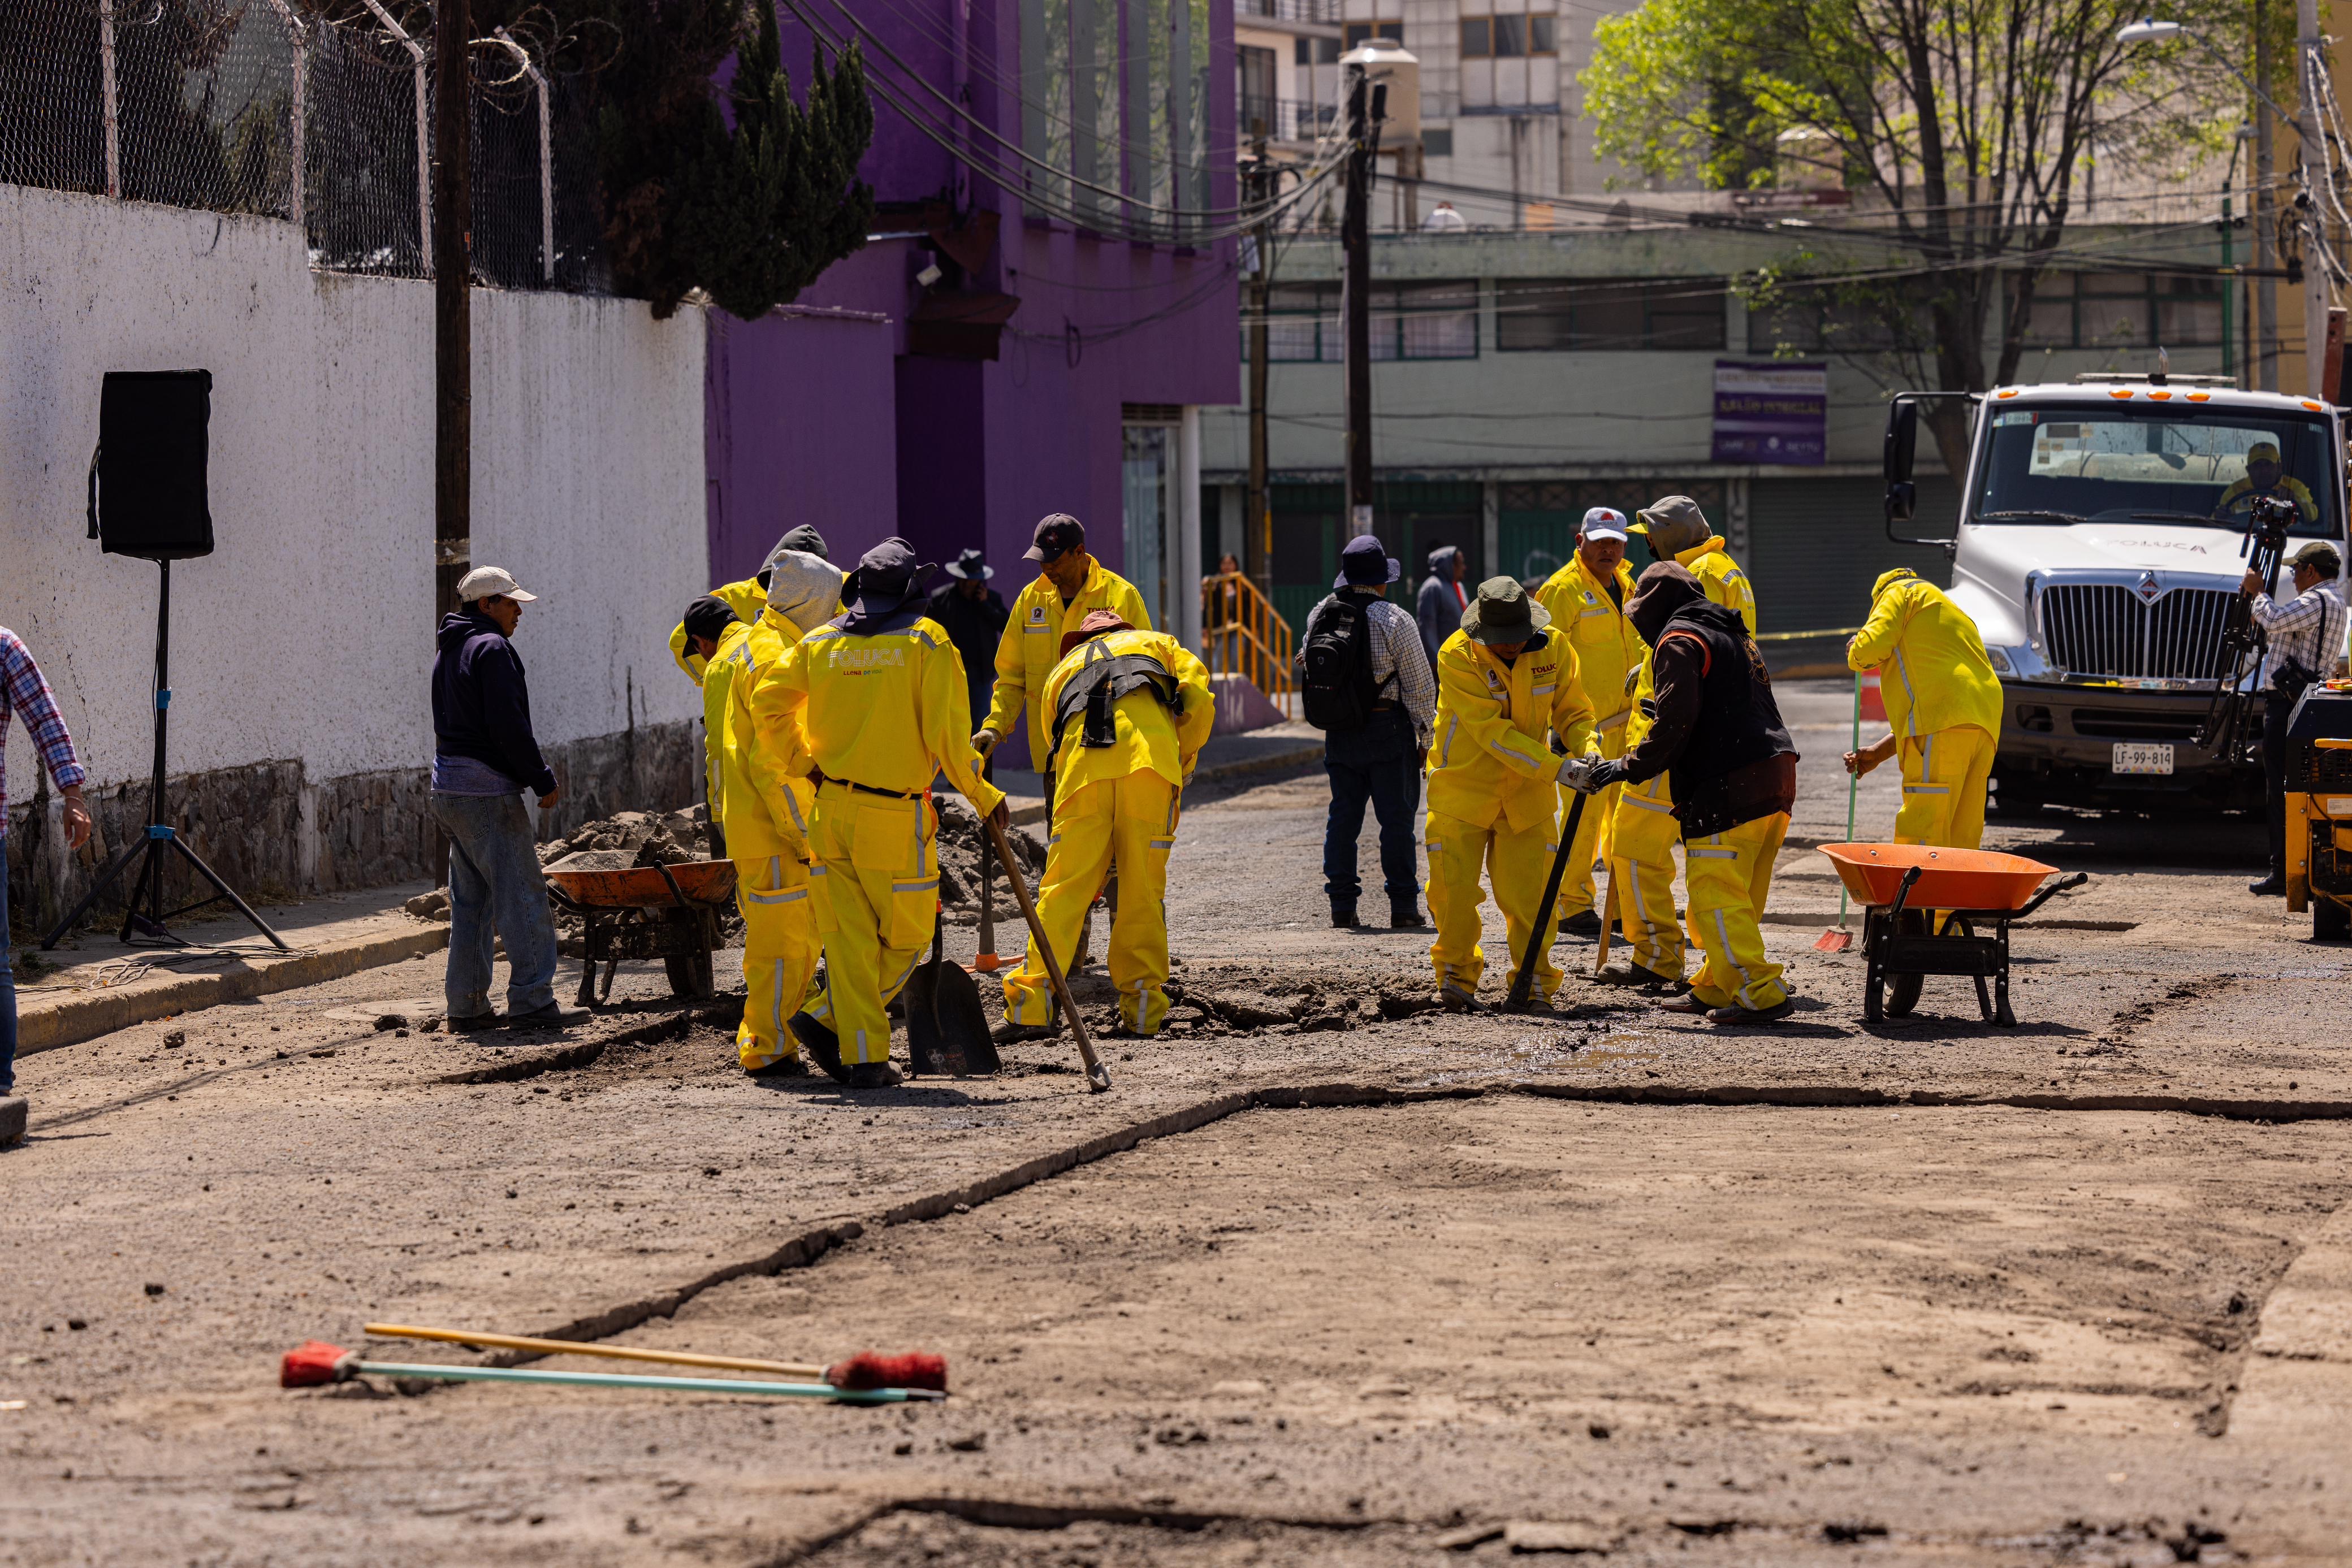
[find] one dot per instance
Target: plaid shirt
(25, 695)
(1396, 652)
(2308, 628)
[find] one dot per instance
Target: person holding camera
(2304, 642)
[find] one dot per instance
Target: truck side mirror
(1902, 441)
(1902, 502)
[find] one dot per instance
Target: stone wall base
(275, 835)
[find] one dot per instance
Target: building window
(1257, 110)
(1357, 32)
(1541, 36)
(1658, 313)
(1315, 51)
(1815, 326)
(1410, 321)
(2123, 310)
(1477, 38)
(1507, 37)
(1437, 141)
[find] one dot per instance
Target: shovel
(947, 1033)
(1523, 983)
(1838, 939)
(987, 960)
(1097, 1075)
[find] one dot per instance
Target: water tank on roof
(1385, 61)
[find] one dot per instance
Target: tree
(1968, 122)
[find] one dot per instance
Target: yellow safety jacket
(717, 684)
(1608, 649)
(888, 711)
(1720, 579)
(1490, 758)
(1931, 659)
(746, 597)
(1032, 646)
(1149, 737)
(2294, 490)
(767, 808)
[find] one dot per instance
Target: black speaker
(147, 476)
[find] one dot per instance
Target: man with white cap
(1587, 599)
(484, 757)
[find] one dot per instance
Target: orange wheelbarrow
(1899, 884)
(665, 911)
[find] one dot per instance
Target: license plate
(2142, 756)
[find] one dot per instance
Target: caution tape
(1806, 637)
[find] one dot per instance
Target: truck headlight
(2001, 665)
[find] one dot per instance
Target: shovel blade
(1836, 939)
(947, 1032)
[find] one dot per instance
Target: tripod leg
(97, 890)
(225, 891)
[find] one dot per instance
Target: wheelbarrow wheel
(689, 975)
(1903, 990)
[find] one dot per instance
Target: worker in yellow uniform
(1586, 599)
(1505, 683)
(1943, 704)
(1643, 832)
(1070, 585)
(745, 598)
(1131, 711)
(708, 634)
(1717, 729)
(2264, 476)
(873, 706)
(765, 812)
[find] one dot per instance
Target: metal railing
(1323, 11)
(2107, 630)
(1286, 119)
(1242, 634)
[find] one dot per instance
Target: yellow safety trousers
(1596, 828)
(1642, 837)
(1944, 777)
(1129, 822)
(875, 886)
(1731, 874)
(1517, 861)
(780, 952)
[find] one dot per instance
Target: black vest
(1095, 690)
(1739, 722)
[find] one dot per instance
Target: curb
(86, 1015)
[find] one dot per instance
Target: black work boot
(1406, 917)
(1584, 925)
(822, 1044)
(1344, 915)
(2271, 886)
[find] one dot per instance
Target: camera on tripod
(2267, 522)
(2228, 719)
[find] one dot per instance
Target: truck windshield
(2143, 462)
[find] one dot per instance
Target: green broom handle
(1852, 783)
(639, 1380)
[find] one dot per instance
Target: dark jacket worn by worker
(1439, 605)
(482, 702)
(1717, 728)
(975, 626)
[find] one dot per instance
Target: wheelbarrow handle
(2053, 890)
(1903, 892)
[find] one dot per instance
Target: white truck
(2099, 546)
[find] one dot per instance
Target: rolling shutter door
(1815, 546)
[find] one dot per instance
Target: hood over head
(1662, 590)
(1887, 580)
(804, 589)
(1441, 563)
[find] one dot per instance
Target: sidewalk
(94, 985)
(1280, 746)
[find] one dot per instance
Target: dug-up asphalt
(1325, 1277)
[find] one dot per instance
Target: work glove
(983, 741)
(1590, 774)
(1573, 772)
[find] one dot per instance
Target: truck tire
(2330, 921)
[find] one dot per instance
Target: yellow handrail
(1241, 632)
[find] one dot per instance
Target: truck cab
(2099, 545)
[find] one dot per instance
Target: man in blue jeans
(25, 695)
(1380, 762)
(484, 757)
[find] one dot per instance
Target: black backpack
(1340, 690)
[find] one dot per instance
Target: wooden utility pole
(1257, 527)
(453, 322)
(1356, 298)
(2263, 351)
(2310, 58)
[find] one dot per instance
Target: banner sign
(1776, 411)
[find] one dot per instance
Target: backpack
(1339, 688)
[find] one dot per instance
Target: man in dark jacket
(1734, 775)
(974, 616)
(1441, 600)
(484, 758)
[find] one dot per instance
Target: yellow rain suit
(1943, 702)
(746, 597)
(1644, 830)
(880, 715)
(1115, 805)
(1608, 651)
(1032, 646)
(1494, 798)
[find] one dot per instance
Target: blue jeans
(7, 986)
(1379, 764)
(495, 889)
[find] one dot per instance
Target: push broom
(866, 1370)
(1838, 939)
(317, 1362)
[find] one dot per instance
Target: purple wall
(830, 420)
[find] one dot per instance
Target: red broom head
(312, 1362)
(872, 1369)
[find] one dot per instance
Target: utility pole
(2265, 347)
(453, 324)
(2309, 59)
(1257, 526)
(1356, 293)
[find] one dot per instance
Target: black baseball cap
(1057, 536)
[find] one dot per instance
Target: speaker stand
(144, 915)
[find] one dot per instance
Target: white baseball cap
(491, 582)
(1604, 523)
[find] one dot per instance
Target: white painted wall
(309, 633)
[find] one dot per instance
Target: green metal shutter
(1815, 546)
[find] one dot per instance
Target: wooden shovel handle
(1097, 1077)
(617, 1351)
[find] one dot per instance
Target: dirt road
(1314, 1284)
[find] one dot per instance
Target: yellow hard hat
(2262, 451)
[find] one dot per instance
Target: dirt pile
(961, 843)
(632, 839)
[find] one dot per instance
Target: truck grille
(2099, 628)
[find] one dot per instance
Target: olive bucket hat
(1504, 613)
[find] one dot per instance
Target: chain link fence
(216, 104)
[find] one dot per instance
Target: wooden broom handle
(617, 1351)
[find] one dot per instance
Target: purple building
(1050, 298)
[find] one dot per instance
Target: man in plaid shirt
(24, 694)
(2305, 642)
